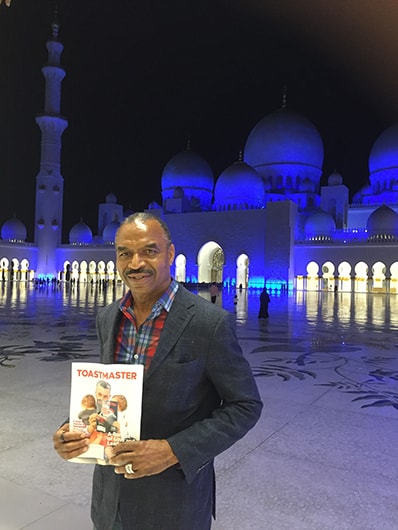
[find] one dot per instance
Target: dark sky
(142, 77)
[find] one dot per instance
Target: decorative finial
(55, 25)
(240, 156)
(284, 97)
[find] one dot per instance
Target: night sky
(143, 77)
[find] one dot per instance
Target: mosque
(265, 220)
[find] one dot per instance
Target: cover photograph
(105, 402)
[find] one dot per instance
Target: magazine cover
(105, 401)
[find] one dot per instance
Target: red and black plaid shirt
(138, 346)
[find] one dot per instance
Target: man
(214, 292)
(102, 393)
(199, 393)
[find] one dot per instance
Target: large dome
(383, 222)
(239, 187)
(13, 230)
(80, 234)
(284, 137)
(190, 172)
(384, 152)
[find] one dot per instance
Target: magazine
(105, 402)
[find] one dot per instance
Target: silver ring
(63, 438)
(129, 469)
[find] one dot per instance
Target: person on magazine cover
(199, 393)
(89, 407)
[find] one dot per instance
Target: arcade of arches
(360, 277)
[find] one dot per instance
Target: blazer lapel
(177, 320)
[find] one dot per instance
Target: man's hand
(70, 444)
(147, 457)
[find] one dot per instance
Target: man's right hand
(70, 444)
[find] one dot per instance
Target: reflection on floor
(323, 455)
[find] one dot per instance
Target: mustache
(138, 271)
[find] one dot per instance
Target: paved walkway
(323, 455)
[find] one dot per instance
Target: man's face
(143, 259)
(102, 394)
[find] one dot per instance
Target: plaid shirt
(138, 346)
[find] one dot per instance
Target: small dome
(111, 198)
(383, 221)
(319, 224)
(154, 206)
(13, 230)
(80, 234)
(109, 232)
(335, 179)
(239, 186)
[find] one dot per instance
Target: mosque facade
(265, 220)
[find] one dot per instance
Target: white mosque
(264, 220)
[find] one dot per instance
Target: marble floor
(322, 456)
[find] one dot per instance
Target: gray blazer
(199, 394)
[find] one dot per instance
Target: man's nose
(135, 260)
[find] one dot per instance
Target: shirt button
(136, 356)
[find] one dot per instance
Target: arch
(83, 271)
(25, 272)
(180, 265)
(5, 269)
(344, 277)
(328, 281)
(394, 278)
(92, 272)
(242, 270)
(210, 263)
(361, 277)
(101, 271)
(75, 271)
(379, 277)
(312, 276)
(66, 270)
(110, 271)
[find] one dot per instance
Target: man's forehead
(140, 236)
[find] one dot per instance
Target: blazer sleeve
(240, 403)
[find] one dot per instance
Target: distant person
(264, 301)
(199, 396)
(214, 292)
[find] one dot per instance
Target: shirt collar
(164, 302)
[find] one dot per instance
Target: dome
(154, 206)
(284, 137)
(111, 198)
(319, 224)
(109, 232)
(80, 234)
(335, 179)
(190, 172)
(383, 221)
(239, 186)
(384, 152)
(13, 230)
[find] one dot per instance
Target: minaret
(49, 181)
